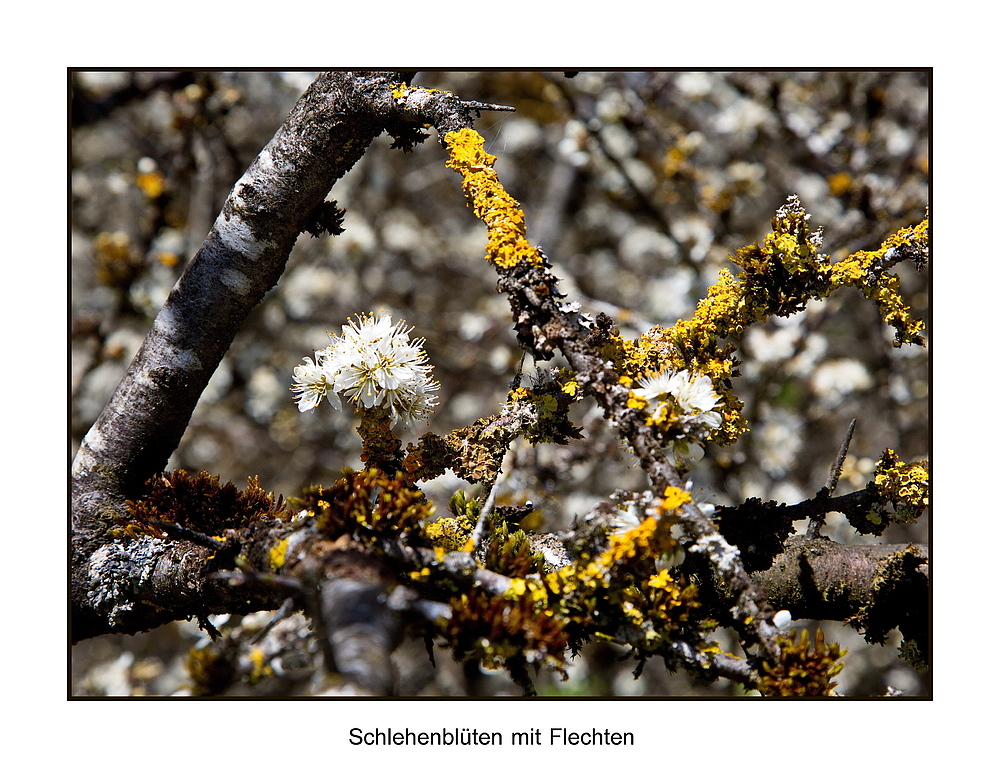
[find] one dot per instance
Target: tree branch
(324, 135)
(130, 584)
(327, 131)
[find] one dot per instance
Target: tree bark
(327, 131)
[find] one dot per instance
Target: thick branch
(128, 586)
(822, 579)
(327, 131)
(875, 588)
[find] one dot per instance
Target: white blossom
(694, 396)
(373, 364)
(311, 385)
(697, 396)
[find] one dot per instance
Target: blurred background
(638, 186)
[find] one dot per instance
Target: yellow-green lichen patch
(449, 533)
(277, 555)
(864, 271)
(507, 243)
(804, 668)
(905, 485)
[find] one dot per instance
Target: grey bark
(327, 131)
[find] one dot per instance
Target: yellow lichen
(449, 533)
(778, 278)
(571, 388)
(277, 555)
(674, 498)
(507, 243)
(906, 485)
(858, 268)
(634, 401)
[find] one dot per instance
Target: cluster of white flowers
(689, 398)
(374, 364)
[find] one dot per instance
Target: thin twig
(482, 106)
(816, 522)
(838, 465)
(287, 609)
(491, 500)
(188, 534)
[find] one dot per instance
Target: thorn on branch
(817, 520)
(838, 464)
(226, 550)
(286, 610)
(189, 534)
(480, 530)
(481, 106)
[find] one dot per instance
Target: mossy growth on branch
(506, 631)
(896, 587)
(625, 593)
(806, 667)
(200, 503)
(505, 548)
(369, 506)
(508, 551)
(546, 408)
